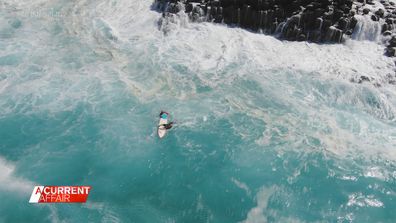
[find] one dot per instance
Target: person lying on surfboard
(165, 115)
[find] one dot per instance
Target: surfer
(164, 115)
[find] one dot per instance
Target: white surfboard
(161, 129)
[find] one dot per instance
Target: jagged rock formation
(317, 21)
(294, 20)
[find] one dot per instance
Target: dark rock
(309, 20)
(273, 26)
(363, 79)
(337, 36)
(173, 8)
(219, 10)
(319, 12)
(188, 8)
(337, 14)
(291, 33)
(261, 19)
(228, 14)
(295, 20)
(392, 42)
(217, 14)
(329, 36)
(385, 27)
(314, 37)
(326, 25)
(380, 13)
(309, 7)
(387, 33)
(353, 23)
(318, 24)
(278, 12)
(226, 3)
(390, 51)
(264, 20)
(302, 37)
(366, 11)
(238, 16)
(246, 13)
(346, 10)
(348, 32)
(349, 3)
(374, 18)
(343, 24)
(328, 15)
(214, 3)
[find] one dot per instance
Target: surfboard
(161, 129)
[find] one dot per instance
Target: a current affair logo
(59, 194)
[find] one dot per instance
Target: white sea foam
(257, 214)
(211, 47)
(379, 173)
(108, 215)
(241, 185)
(351, 178)
(358, 199)
(261, 213)
(20, 187)
(10, 182)
(367, 29)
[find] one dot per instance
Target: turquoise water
(267, 131)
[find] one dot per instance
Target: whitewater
(267, 130)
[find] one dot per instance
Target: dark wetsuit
(169, 125)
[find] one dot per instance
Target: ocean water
(267, 130)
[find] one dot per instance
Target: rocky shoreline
(319, 21)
